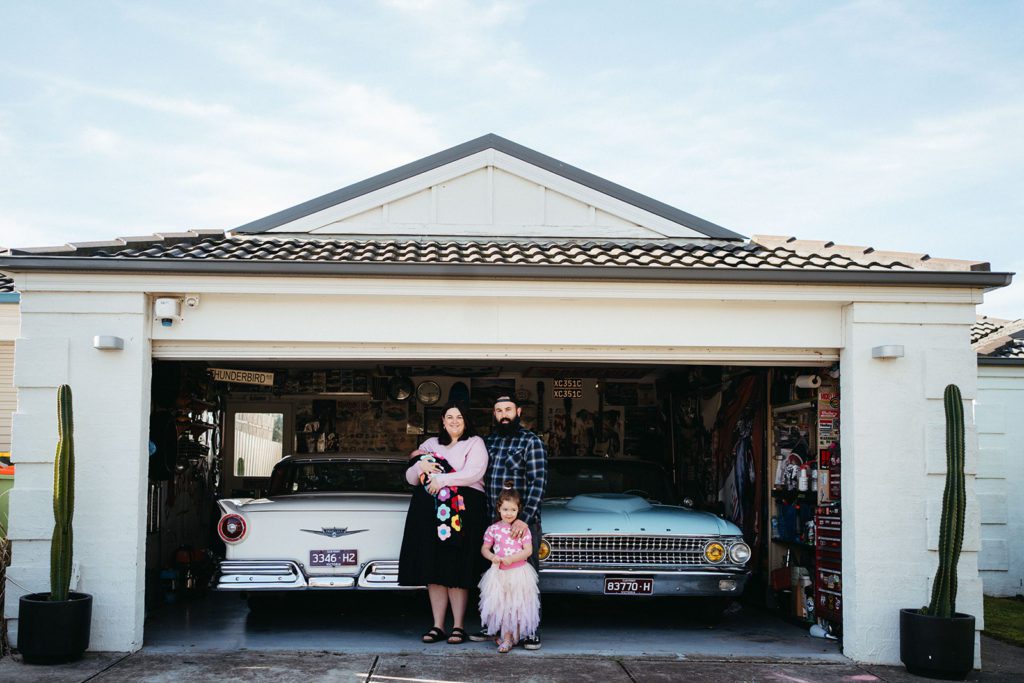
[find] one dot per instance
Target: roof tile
(996, 338)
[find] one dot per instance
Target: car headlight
(544, 550)
(714, 552)
(739, 553)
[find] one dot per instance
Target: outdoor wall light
(108, 343)
(887, 351)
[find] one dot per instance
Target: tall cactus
(63, 498)
(954, 503)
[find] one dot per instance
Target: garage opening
(753, 445)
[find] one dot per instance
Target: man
(516, 455)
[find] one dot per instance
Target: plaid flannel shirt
(521, 459)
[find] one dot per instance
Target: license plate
(628, 586)
(332, 558)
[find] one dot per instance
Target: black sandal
(434, 635)
(458, 636)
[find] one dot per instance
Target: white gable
(487, 194)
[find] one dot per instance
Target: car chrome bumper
(285, 575)
(691, 583)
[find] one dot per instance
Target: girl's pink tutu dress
(509, 596)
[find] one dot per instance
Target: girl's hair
(509, 495)
(443, 437)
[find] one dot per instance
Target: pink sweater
(468, 457)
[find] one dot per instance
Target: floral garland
(448, 502)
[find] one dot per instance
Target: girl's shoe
(506, 646)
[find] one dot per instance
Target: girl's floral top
(499, 538)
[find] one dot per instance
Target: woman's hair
(443, 437)
(509, 495)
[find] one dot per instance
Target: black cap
(506, 399)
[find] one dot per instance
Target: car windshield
(353, 476)
(570, 477)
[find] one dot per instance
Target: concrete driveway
(1004, 664)
(389, 622)
(376, 638)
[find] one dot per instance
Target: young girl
(509, 597)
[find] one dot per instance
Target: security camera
(167, 310)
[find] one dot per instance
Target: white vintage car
(327, 522)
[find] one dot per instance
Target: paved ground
(375, 638)
(389, 622)
(1006, 664)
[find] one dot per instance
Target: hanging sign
(567, 387)
(265, 379)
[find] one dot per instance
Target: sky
(896, 125)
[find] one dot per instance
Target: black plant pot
(937, 647)
(51, 632)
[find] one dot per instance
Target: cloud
(470, 39)
(152, 101)
(100, 141)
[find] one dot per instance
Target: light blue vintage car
(608, 530)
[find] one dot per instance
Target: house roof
(763, 258)
(467, 149)
(998, 342)
(629, 236)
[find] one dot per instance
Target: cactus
(954, 502)
(63, 498)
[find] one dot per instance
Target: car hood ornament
(334, 532)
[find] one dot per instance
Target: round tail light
(231, 528)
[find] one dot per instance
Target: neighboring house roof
(534, 212)
(998, 342)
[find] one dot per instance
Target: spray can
(803, 482)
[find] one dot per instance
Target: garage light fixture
(108, 343)
(887, 351)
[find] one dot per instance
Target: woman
(445, 524)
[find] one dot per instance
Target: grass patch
(1004, 619)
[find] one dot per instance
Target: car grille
(626, 550)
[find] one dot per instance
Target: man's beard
(506, 428)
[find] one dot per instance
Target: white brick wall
(893, 454)
(111, 412)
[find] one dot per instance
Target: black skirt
(455, 562)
